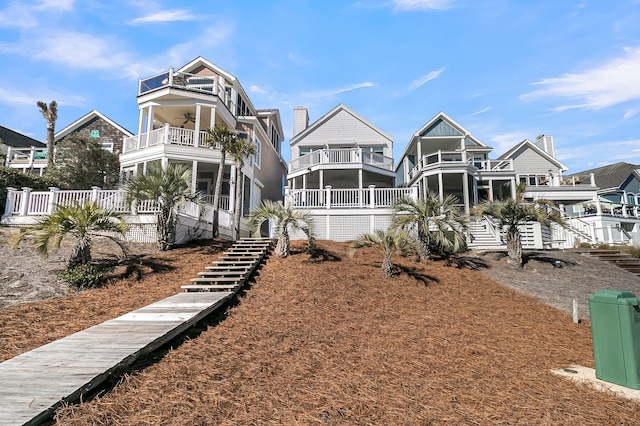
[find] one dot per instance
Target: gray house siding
(526, 161)
(343, 130)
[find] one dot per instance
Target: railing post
(53, 195)
(11, 195)
(26, 195)
(372, 196)
(167, 131)
(94, 194)
(414, 193)
(327, 196)
(8, 159)
(32, 155)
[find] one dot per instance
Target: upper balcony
(211, 85)
(341, 157)
(26, 158)
(165, 135)
(460, 159)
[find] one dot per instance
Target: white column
(196, 126)
(232, 188)
(212, 120)
(490, 190)
(94, 193)
(149, 124)
(465, 192)
(194, 176)
(165, 163)
(321, 180)
(140, 126)
(167, 133)
(8, 159)
(513, 188)
(440, 186)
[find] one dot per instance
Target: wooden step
(211, 287)
(233, 262)
(226, 280)
(230, 267)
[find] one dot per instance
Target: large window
(258, 155)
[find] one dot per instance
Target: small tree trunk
(423, 239)
(514, 246)
(388, 269)
(165, 227)
(283, 246)
(81, 254)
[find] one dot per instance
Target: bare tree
(50, 113)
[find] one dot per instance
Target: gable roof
(441, 125)
(87, 118)
(17, 140)
(328, 116)
(611, 176)
(527, 144)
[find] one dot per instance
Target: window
(107, 146)
(258, 152)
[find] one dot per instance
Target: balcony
(165, 135)
(211, 85)
(441, 159)
(342, 156)
(26, 158)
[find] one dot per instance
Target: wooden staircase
(615, 257)
(233, 268)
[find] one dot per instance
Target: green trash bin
(615, 328)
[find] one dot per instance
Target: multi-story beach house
(176, 107)
(22, 152)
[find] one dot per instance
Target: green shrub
(82, 277)
(604, 247)
(16, 179)
(584, 245)
(633, 251)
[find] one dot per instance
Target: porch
(341, 157)
(166, 135)
(459, 159)
(27, 159)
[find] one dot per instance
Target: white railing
(341, 156)
(329, 198)
(224, 201)
(166, 135)
(26, 157)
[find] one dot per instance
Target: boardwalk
(34, 384)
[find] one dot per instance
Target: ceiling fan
(188, 117)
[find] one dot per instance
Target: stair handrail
(492, 227)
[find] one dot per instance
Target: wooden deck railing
(341, 156)
(329, 198)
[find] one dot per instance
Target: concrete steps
(481, 238)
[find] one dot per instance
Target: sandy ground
(328, 340)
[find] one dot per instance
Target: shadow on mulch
(418, 274)
(555, 262)
(322, 255)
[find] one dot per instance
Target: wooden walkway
(34, 384)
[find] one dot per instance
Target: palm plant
(286, 218)
(439, 224)
(171, 189)
(511, 213)
(388, 242)
(80, 221)
(224, 139)
(242, 149)
(50, 113)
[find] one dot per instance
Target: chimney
(300, 119)
(545, 143)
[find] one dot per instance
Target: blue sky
(505, 70)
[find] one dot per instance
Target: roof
(85, 119)
(17, 140)
(611, 176)
(340, 107)
(527, 144)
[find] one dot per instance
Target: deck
(34, 384)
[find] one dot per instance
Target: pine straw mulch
(327, 340)
(140, 280)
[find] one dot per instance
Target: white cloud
(503, 142)
(333, 92)
(56, 4)
(409, 5)
(166, 16)
(14, 97)
(257, 89)
(610, 84)
(482, 111)
(425, 79)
